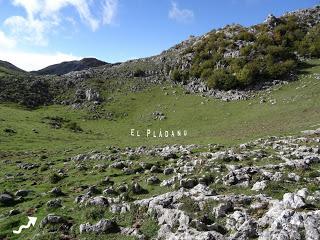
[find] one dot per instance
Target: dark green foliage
(149, 228)
(314, 174)
(95, 213)
(266, 54)
(73, 126)
(245, 36)
(310, 45)
(179, 76)
(138, 73)
(221, 79)
(189, 205)
(54, 178)
(56, 121)
(25, 90)
(9, 131)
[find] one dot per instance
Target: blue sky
(37, 33)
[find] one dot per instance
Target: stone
(102, 227)
(14, 212)
(168, 171)
(6, 199)
(153, 180)
(22, 193)
(188, 183)
(55, 203)
(294, 177)
(98, 201)
(52, 219)
(259, 186)
(223, 209)
(109, 190)
(137, 189)
(293, 201)
(56, 191)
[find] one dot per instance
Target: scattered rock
(102, 227)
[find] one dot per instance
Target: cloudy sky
(38, 33)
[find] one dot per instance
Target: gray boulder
(101, 227)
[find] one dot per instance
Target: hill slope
(66, 67)
(9, 68)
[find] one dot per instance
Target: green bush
(221, 79)
(138, 73)
(179, 76)
(149, 228)
(73, 126)
(55, 178)
(248, 74)
(310, 45)
(271, 53)
(245, 36)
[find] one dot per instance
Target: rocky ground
(265, 189)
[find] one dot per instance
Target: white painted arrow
(32, 221)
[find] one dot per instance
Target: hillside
(66, 67)
(234, 58)
(74, 170)
(8, 68)
(215, 138)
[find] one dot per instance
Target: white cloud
(43, 16)
(180, 15)
(34, 61)
(32, 30)
(52, 8)
(110, 8)
(6, 41)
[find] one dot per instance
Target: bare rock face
(98, 201)
(259, 186)
(52, 219)
(272, 21)
(87, 96)
(103, 226)
(293, 201)
(92, 95)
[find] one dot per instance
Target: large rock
(98, 201)
(223, 209)
(101, 227)
(52, 219)
(293, 201)
(258, 186)
(6, 199)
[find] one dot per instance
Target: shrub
(270, 55)
(245, 36)
(280, 69)
(179, 76)
(248, 74)
(138, 73)
(221, 79)
(73, 126)
(149, 228)
(94, 213)
(55, 178)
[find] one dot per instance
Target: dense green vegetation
(24, 89)
(262, 53)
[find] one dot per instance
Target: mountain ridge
(70, 66)
(10, 66)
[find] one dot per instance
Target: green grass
(214, 121)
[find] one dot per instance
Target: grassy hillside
(44, 139)
(207, 120)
